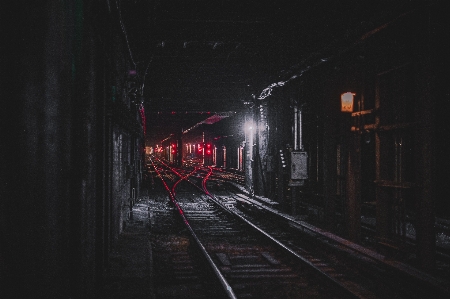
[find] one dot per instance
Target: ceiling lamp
(347, 102)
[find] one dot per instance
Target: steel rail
(229, 291)
(374, 256)
(420, 277)
(320, 272)
(278, 243)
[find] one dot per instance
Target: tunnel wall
(57, 170)
(396, 72)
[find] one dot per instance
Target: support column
(179, 149)
(354, 190)
(248, 163)
(425, 213)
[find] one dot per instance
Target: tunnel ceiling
(203, 56)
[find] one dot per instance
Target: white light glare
(248, 125)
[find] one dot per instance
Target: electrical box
(299, 169)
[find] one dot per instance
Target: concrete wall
(396, 70)
(56, 194)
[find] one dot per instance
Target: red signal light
(208, 149)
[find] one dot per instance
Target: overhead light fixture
(347, 101)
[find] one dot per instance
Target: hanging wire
(124, 32)
(145, 73)
(268, 90)
(122, 25)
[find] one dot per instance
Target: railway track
(364, 271)
(404, 253)
(257, 255)
(250, 265)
